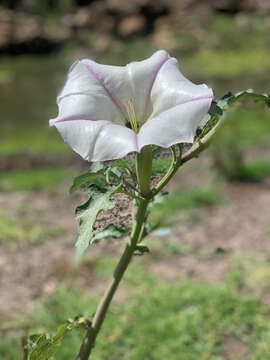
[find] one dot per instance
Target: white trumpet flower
(106, 112)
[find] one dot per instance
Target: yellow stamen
(132, 116)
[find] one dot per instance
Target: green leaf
(109, 231)
(229, 99)
(119, 169)
(215, 109)
(43, 347)
(94, 176)
(141, 249)
(100, 199)
(219, 107)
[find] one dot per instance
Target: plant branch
(194, 151)
(201, 145)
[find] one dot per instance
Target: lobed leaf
(44, 347)
(99, 200)
(109, 231)
(94, 176)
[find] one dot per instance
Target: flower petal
(95, 92)
(131, 82)
(171, 88)
(176, 125)
(97, 140)
(142, 76)
(85, 93)
(93, 106)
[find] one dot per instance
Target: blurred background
(203, 291)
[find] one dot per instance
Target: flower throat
(132, 116)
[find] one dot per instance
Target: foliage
(15, 232)
(34, 179)
(187, 199)
(229, 63)
(242, 130)
(235, 136)
(43, 347)
(37, 140)
(60, 7)
(86, 214)
(183, 318)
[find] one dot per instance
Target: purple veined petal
(131, 82)
(176, 125)
(54, 121)
(171, 88)
(110, 80)
(103, 91)
(84, 94)
(142, 76)
(166, 104)
(97, 140)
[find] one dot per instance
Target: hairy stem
(90, 337)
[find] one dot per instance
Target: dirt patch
(240, 225)
(28, 160)
(179, 267)
(34, 273)
(235, 348)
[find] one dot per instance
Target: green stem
(174, 166)
(90, 337)
(144, 169)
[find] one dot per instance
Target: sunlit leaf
(44, 346)
(94, 176)
(87, 214)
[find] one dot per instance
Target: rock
(84, 17)
(163, 35)
(131, 25)
(102, 43)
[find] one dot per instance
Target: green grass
(255, 171)
(37, 140)
(247, 125)
(17, 231)
(235, 168)
(188, 199)
(244, 129)
(250, 271)
(224, 64)
(34, 179)
(160, 165)
(183, 321)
